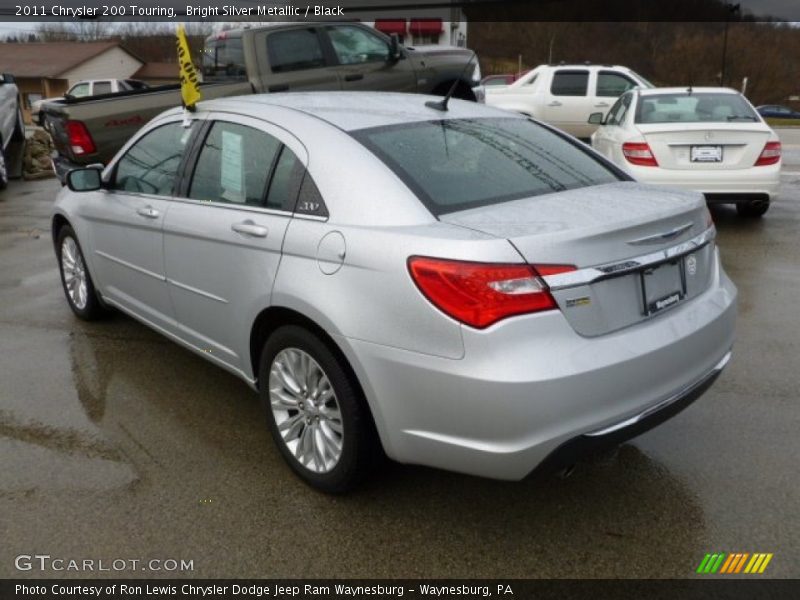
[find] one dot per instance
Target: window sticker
(232, 167)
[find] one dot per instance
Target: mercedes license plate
(706, 154)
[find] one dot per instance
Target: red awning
(426, 26)
(390, 26)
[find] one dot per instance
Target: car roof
(350, 111)
(685, 90)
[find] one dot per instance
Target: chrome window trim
(591, 275)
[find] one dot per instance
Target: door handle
(148, 212)
(555, 103)
(249, 228)
(354, 77)
(601, 105)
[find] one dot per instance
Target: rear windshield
(224, 58)
(694, 108)
(457, 164)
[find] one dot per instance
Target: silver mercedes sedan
(453, 286)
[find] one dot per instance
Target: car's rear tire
(75, 278)
(752, 209)
(316, 411)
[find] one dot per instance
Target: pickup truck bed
(102, 124)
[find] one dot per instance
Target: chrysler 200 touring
(457, 287)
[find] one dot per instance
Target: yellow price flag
(190, 84)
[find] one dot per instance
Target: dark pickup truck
(281, 57)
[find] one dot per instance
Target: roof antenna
(442, 104)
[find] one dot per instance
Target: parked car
(90, 87)
(12, 128)
(277, 57)
(774, 111)
(463, 288)
(565, 95)
(707, 139)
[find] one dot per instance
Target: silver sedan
(457, 286)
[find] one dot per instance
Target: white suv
(565, 95)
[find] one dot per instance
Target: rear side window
(102, 87)
(150, 166)
(285, 182)
(459, 164)
(354, 45)
(570, 83)
(234, 165)
(294, 50)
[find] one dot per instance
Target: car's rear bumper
(529, 385)
(729, 185)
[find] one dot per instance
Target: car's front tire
(752, 209)
(316, 411)
(75, 279)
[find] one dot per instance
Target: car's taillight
(479, 294)
(639, 154)
(79, 138)
(770, 155)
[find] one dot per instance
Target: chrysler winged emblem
(661, 237)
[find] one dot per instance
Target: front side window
(694, 108)
(294, 50)
(457, 164)
(80, 90)
(234, 165)
(570, 83)
(618, 111)
(150, 166)
(612, 85)
(354, 45)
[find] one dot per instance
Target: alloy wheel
(306, 410)
(74, 271)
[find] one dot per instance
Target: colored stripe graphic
(734, 563)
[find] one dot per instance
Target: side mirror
(394, 48)
(85, 180)
(6, 78)
(596, 119)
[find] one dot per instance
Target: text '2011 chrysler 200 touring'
(461, 288)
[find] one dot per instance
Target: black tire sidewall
(357, 443)
(92, 310)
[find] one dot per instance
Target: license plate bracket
(663, 286)
(705, 154)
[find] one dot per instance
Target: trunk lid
(614, 227)
(717, 146)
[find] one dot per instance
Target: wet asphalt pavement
(117, 444)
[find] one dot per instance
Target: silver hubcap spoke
(306, 410)
(74, 271)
